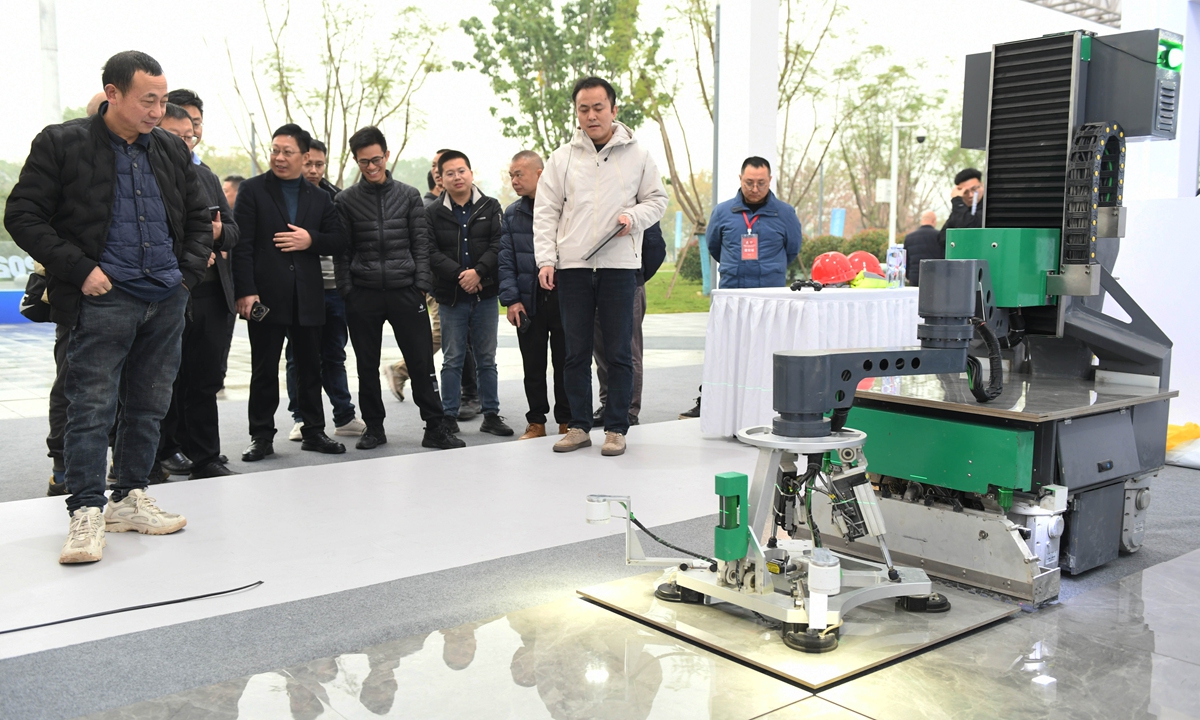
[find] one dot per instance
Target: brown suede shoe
(562, 428)
(573, 440)
(614, 444)
(534, 430)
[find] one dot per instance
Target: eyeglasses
(286, 152)
(451, 174)
(377, 161)
(318, 165)
(757, 184)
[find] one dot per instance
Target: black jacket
(289, 284)
(389, 238)
(229, 233)
(960, 217)
(483, 242)
(924, 243)
(654, 251)
(61, 207)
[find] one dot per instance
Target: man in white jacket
(600, 181)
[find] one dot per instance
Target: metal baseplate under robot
(760, 561)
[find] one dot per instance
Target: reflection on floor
(569, 659)
(872, 634)
(1128, 650)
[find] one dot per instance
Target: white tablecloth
(746, 328)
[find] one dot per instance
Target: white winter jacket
(582, 193)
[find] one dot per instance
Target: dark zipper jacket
(61, 207)
(389, 238)
(483, 241)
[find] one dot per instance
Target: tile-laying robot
(1045, 467)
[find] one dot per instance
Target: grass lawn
(685, 297)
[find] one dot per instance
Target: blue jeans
(119, 345)
(333, 363)
(478, 320)
(603, 299)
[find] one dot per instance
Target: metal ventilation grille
(1028, 132)
(1166, 106)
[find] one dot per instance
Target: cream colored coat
(582, 193)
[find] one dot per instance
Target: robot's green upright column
(732, 534)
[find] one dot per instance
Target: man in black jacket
(464, 258)
(190, 442)
(287, 225)
(113, 208)
(384, 276)
(532, 310)
(966, 204)
(334, 333)
(922, 244)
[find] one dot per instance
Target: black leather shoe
(598, 417)
(371, 438)
(259, 449)
(451, 426)
(693, 413)
(177, 464)
(633, 420)
(494, 424)
(216, 468)
(440, 438)
(321, 443)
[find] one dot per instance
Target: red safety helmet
(832, 268)
(862, 260)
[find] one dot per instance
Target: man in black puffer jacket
(113, 208)
(464, 258)
(384, 277)
(532, 310)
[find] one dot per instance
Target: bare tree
(359, 84)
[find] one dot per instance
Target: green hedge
(689, 268)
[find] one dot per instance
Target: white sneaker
(85, 539)
(297, 433)
(138, 512)
(354, 428)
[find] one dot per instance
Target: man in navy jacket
(521, 294)
(755, 235)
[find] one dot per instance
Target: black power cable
(135, 607)
(676, 548)
(995, 384)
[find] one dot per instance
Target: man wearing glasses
(383, 276)
(289, 225)
(333, 332)
(752, 237)
(190, 439)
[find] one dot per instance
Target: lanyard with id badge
(749, 239)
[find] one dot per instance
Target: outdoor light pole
(896, 125)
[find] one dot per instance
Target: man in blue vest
(752, 237)
(755, 235)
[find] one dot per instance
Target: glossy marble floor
(872, 634)
(330, 528)
(1128, 650)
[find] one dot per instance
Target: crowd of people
(148, 258)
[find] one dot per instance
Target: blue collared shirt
(139, 255)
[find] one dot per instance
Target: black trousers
(266, 344)
(405, 311)
(58, 395)
(191, 424)
(545, 329)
